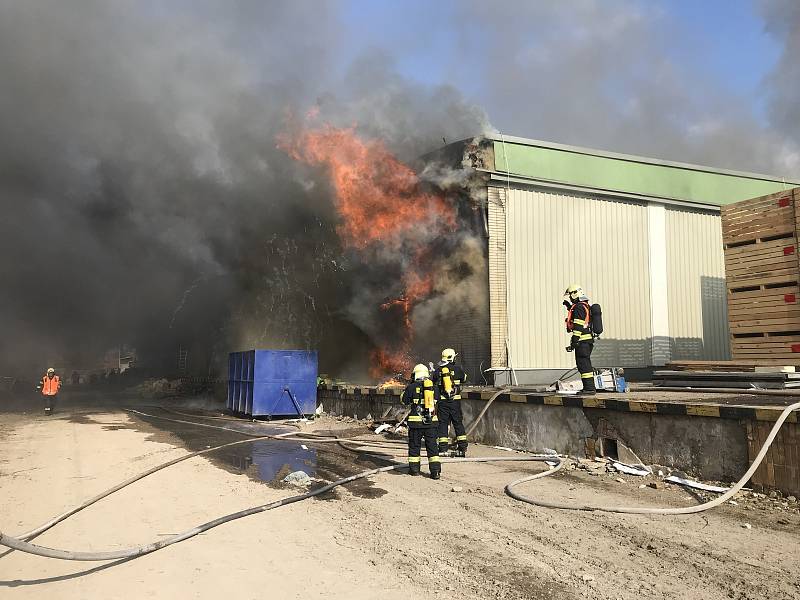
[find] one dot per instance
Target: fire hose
(685, 510)
(18, 543)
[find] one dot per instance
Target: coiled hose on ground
(20, 543)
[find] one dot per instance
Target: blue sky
(740, 51)
(721, 39)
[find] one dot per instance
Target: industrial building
(642, 236)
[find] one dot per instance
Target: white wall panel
(696, 291)
(555, 239)
(497, 276)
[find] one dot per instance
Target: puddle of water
(269, 461)
(266, 460)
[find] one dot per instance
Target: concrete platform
(711, 435)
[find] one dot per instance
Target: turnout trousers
(583, 361)
(450, 411)
(416, 436)
(50, 400)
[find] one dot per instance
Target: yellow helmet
(574, 293)
(448, 355)
(421, 372)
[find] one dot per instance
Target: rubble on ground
(747, 499)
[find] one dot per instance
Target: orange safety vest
(570, 324)
(50, 386)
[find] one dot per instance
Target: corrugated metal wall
(497, 276)
(698, 320)
(555, 239)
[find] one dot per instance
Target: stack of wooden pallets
(762, 271)
(723, 366)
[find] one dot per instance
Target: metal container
(271, 383)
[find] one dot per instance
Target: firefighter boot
(435, 466)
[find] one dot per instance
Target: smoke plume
(146, 200)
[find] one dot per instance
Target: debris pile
(660, 477)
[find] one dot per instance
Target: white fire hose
(20, 542)
(684, 510)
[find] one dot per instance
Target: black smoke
(144, 200)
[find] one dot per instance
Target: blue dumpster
(271, 383)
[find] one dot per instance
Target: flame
(386, 361)
(381, 205)
(392, 382)
(377, 196)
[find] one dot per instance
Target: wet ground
(263, 460)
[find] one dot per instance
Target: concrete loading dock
(712, 436)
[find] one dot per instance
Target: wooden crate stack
(762, 271)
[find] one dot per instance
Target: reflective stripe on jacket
(449, 379)
(579, 322)
(422, 397)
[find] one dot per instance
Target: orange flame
(381, 205)
(391, 383)
(377, 196)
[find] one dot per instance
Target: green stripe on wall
(627, 176)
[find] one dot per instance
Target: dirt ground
(392, 537)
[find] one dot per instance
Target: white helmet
(574, 293)
(51, 370)
(448, 356)
(421, 372)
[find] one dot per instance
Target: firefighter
(579, 325)
(449, 377)
(49, 386)
(421, 395)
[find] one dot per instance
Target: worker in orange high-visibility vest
(49, 386)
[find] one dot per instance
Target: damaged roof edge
(535, 161)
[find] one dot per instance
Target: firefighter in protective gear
(449, 377)
(49, 386)
(579, 326)
(422, 421)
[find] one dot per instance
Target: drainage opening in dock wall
(608, 448)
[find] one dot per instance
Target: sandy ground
(396, 537)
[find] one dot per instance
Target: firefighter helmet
(421, 372)
(574, 293)
(448, 355)
(51, 370)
